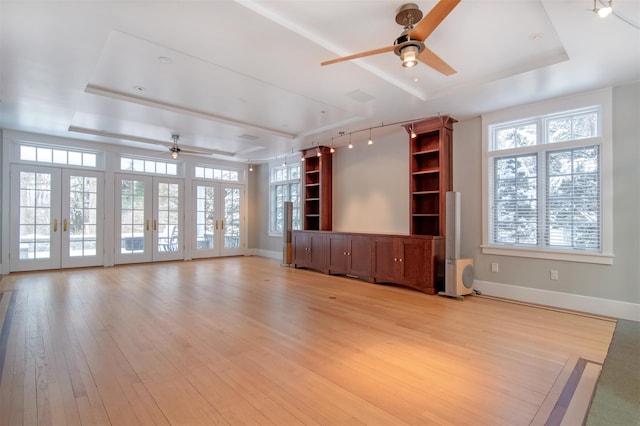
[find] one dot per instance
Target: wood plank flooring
(246, 341)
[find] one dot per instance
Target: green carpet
(617, 397)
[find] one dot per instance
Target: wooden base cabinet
(350, 254)
(413, 261)
(310, 250)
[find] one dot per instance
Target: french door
(218, 219)
(149, 225)
(56, 218)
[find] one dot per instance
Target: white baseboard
(574, 302)
(272, 254)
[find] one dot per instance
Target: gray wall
(370, 187)
(258, 220)
(618, 281)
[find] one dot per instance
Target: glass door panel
(133, 223)
(35, 237)
(231, 223)
(82, 231)
(206, 221)
(167, 223)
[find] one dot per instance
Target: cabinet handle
(395, 259)
(399, 260)
(64, 225)
(345, 253)
(348, 253)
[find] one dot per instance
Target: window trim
(602, 98)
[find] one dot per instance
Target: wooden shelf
(317, 189)
(430, 174)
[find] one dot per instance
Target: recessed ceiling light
(138, 88)
(416, 79)
(535, 36)
(164, 59)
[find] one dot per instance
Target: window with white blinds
(545, 182)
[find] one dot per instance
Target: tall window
(284, 186)
(545, 186)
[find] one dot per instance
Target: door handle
(216, 225)
(222, 224)
(155, 225)
(147, 224)
(55, 225)
(64, 225)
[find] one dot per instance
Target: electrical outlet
(494, 267)
(554, 274)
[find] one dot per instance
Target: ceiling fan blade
(430, 22)
(434, 61)
(359, 55)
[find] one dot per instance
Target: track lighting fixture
(250, 167)
(603, 12)
(408, 125)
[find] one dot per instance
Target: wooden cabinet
(430, 173)
(317, 189)
(413, 261)
(350, 254)
(310, 250)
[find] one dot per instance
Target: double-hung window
(547, 180)
(284, 182)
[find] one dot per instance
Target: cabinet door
(337, 250)
(386, 260)
(359, 256)
(416, 270)
(318, 252)
(300, 249)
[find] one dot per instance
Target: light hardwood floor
(246, 341)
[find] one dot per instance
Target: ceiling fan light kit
(410, 45)
(175, 149)
(603, 12)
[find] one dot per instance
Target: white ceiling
(243, 78)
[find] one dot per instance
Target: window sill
(568, 256)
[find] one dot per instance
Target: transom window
(545, 186)
(58, 155)
(212, 173)
(148, 166)
(284, 185)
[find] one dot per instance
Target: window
(58, 155)
(284, 186)
(211, 173)
(148, 166)
(547, 187)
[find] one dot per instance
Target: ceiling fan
(410, 45)
(176, 150)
